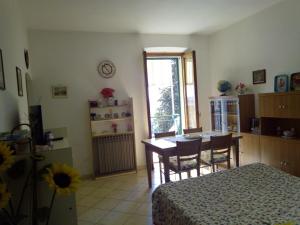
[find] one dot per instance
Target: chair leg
(160, 172)
(180, 176)
(228, 164)
(198, 172)
(189, 174)
(213, 167)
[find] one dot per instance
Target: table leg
(148, 153)
(166, 161)
(237, 152)
(151, 160)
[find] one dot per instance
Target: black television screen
(36, 123)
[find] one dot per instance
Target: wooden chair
(188, 157)
(160, 159)
(192, 130)
(220, 150)
(164, 134)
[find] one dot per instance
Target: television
(36, 123)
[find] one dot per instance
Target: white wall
(13, 40)
(71, 58)
(269, 39)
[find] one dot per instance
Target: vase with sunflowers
(61, 178)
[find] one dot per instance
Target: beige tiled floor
(120, 200)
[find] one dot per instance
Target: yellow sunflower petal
(63, 178)
(6, 157)
(4, 196)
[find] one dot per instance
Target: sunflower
(4, 196)
(62, 178)
(6, 157)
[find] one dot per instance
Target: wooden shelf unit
(112, 120)
(113, 152)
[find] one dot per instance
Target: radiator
(113, 154)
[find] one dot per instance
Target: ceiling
(139, 16)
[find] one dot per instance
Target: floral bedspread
(252, 194)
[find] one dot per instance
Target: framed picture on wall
(295, 82)
(59, 92)
(259, 76)
(281, 83)
(2, 78)
(19, 81)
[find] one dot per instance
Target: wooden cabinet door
(292, 106)
(290, 154)
(271, 151)
(280, 106)
(249, 149)
(266, 105)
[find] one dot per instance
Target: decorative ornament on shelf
(224, 86)
(108, 95)
(114, 127)
(241, 88)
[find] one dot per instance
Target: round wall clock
(106, 69)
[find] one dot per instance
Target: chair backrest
(192, 130)
(187, 151)
(164, 134)
(218, 143)
(188, 148)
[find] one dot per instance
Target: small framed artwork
(2, 79)
(59, 92)
(19, 81)
(281, 83)
(259, 76)
(295, 82)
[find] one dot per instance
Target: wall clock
(106, 69)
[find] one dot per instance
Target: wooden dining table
(166, 147)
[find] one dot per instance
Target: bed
(252, 194)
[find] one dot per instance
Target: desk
(166, 147)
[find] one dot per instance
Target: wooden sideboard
(276, 110)
(281, 153)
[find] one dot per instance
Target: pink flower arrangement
(241, 88)
(107, 92)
